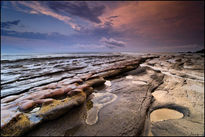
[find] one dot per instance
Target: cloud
(87, 47)
(40, 8)
(33, 12)
(112, 17)
(112, 43)
(63, 11)
(164, 22)
(79, 9)
(34, 35)
(9, 24)
(80, 38)
(143, 25)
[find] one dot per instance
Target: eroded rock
(182, 85)
(52, 100)
(118, 108)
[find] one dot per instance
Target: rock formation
(114, 100)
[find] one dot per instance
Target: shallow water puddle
(135, 81)
(108, 86)
(35, 110)
(129, 77)
(98, 102)
(108, 83)
(164, 114)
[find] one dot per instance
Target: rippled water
(22, 72)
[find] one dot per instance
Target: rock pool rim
(184, 110)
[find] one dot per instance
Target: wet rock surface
(22, 74)
(26, 110)
(117, 108)
(113, 98)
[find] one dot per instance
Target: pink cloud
(157, 20)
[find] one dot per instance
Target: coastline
(58, 98)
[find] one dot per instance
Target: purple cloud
(79, 9)
(112, 43)
(9, 24)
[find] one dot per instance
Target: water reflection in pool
(98, 102)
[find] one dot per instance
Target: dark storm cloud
(79, 9)
(9, 24)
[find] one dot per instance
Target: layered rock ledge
(115, 100)
(22, 112)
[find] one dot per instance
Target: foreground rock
(118, 108)
(182, 90)
(115, 100)
(20, 113)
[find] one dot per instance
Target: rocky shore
(118, 99)
(182, 90)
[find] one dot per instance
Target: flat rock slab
(124, 116)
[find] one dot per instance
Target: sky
(101, 26)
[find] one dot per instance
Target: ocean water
(20, 73)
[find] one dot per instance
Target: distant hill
(200, 51)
